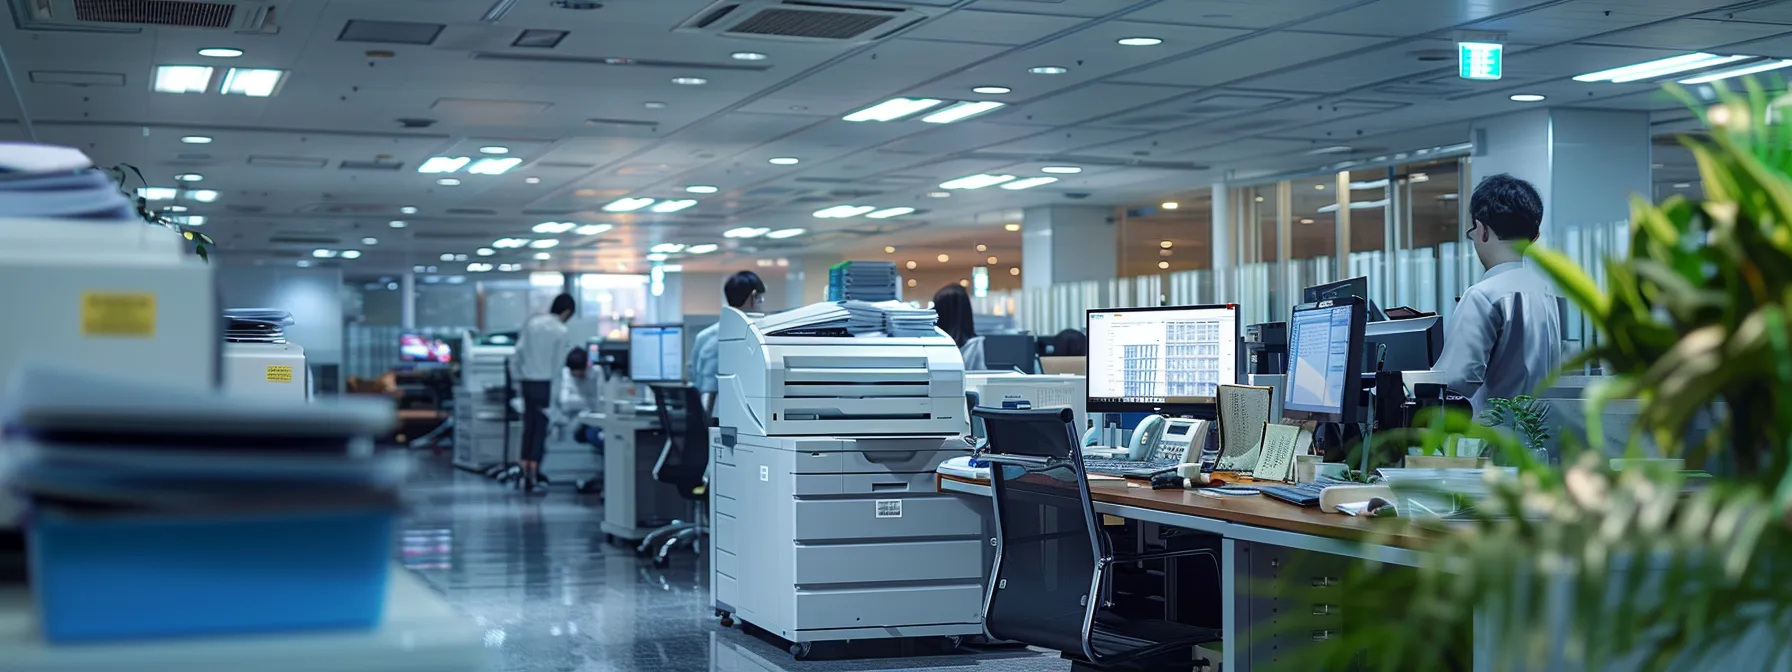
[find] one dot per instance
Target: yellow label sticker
(118, 314)
(279, 374)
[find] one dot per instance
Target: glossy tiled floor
(553, 598)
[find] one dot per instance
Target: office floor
(535, 573)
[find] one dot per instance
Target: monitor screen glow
(656, 353)
(1160, 359)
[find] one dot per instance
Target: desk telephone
(1158, 443)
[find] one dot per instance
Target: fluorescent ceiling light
(689, 81)
(370, 240)
(701, 189)
(843, 211)
(193, 220)
(196, 140)
(553, 227)
(592, 229)
(175, 208)
(892, 109)
(890, 212)
(1356, 205)
(939, 194)
(510, 267)
(654, 105)
(157, 193)
(447, 256)
(628, 204)
(494, 149)
(183, 78)
(960, 111)
(1170, 205)
(667, 248)
(786, 233)
(1369, 184)
(783, 161)
(745, 232)
(323, 253)
(443, 164)
(1526, 98)
(351, 254)
(509, 243)
(1658, 68)
(304, 264)
(544, 243)
(1028, 183)
(1061, 170)
(543, 256)
(409, 210)
(977, 181)
(1048, 70)
(705, 248)
(478, 268)
(1140, 41)
(448, 182)
(220, 52)
(674, 205)
(532, 180)
(189, 177)
(656, 257)
(397, 224)
(485, 251)
(747, 56)
(203, 195)
(252, 82)
(1749, 69)
(494, 166)
(992, 90)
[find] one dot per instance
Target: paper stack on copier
(57, 182)
(863, 281)
(256, 325)
(893, 318)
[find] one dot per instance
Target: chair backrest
(685, 456)
(1048, 543)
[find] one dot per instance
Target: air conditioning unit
(133, 15)
(802, 20)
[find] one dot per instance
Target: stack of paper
(852, 318)
(892, 318)
(57, 182)
(256, 325)
(819, 319)
(872, 281)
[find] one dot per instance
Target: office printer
(827, 525)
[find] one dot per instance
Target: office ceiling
(1236, 87)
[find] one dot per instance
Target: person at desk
(1505, 338)
(953, 305)
(744, 292)
(540, 354)
(574, 393)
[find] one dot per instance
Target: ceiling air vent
(370, 165)
(801, 20)
(484, 212)
(114, 15)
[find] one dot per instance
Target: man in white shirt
(745, 292)
(540, 354)
(1505, 338)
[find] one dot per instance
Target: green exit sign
(1480, 60)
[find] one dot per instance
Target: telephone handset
(1145, 437)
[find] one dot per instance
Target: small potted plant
(1526, 417)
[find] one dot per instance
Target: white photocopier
(827, 525)
(483, 435)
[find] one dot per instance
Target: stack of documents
(872, 281)
(852, 318)
(57, 182)
(256, 325)
(817, 319)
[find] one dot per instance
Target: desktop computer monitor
(1357, 287)
(421, 349)
(1005, 352)
(1161, 360)
(656, 353)
(612, 356)
(1413, 344)
(1325, 360)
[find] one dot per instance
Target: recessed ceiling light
(654, 105)
(197, 140)
(397, 224)
(543, 256)
(252, 82)
(992, 261)
(1163, 264)
(689, 81)
(667, 248)
(448, 182)
(939, 194)
(544, 243)
(1011, 227)
(1167, 244)
(304, 264)
(494, 149)
(628, 204)
(784, 161)
(911, 266)
(485, 251)
(443, 164)
(351, 254)
(992, 90)
(745, 232)
(409, 210)
(889, 249)
(1061, 170)
(960, 111)
(747, 56)
(705, 248)
(510, 243)
(1048, 70)
(982, 248)
(189, 177)
(977, 181)
(890, 212)
(220, 52)
(673, 205)
(553, 227)
(892, 109)
(531, 180)
(1658, 68)
(323, 253)
(843, 211)
(370, 240)
(1526, 97)
(657, 256)
(1306, 221)
(1140, 41)
(1170, 205)
(1320, 187)
(183, 78)
(701, 189)
(203, 195)
(1028, 183)
(944, 258)
(494, 166)
(1014, 271)
(592, 229)
(192, 220)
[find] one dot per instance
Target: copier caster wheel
(727, 619)
(801, 650)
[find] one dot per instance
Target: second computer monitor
(1325, 361)
(1161, 360)
(656, 353)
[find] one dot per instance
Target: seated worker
(575, 392)
(1070, 343)
(953, 305)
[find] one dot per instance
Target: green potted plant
(1526, 417)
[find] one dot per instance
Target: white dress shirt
(1505, 338)
(540, 350)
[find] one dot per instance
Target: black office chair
(683, 464)
(1054, 564)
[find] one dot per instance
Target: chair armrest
(1160, 555)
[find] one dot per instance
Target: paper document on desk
(1276, 462)
(1243, 413)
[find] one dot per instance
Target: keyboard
(1127, 468)
(1304, 494)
